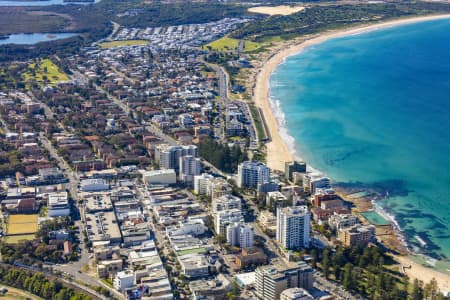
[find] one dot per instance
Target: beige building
(357, 235)
(272, 280)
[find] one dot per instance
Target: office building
(58, 205)
(272, 280)
(293, 227)
(252, 173)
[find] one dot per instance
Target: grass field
(258, 122)
(122, 43)
(22, 224)
(226, 43)
(14, 294)
(45, 69)
(191, 251)
(14, 239)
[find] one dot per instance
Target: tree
(417, 291)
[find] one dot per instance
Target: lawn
(122, 43)
(14, 239)
(14, 294)
(22, 224)
(45, 70)
(191, 251)
(258, 122)
(226, 43)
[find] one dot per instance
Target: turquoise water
(373, 110)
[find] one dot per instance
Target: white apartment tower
(240, 235)
(252, 173)
(190, 166)
(293, 227)
(168, 156)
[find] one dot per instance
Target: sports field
(45, 71)
(228, 44)
(22, 224)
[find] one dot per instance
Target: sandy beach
(283, 10)
(277, 150)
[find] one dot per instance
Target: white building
(190, 166)
(123, 280)
(293, 227)
(159, 177)
(191, 227)
(58, 205)
(168, 157)
(201, 183)
(226, 202)
(252, 173)
(94, 185)
(314, 181)
(296, 294)
(224, 218)
(240, 235)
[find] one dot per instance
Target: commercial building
(293, 227)
(252, 173)
(296, 294)
(272, 280)
(240, 235)
(357, 235)
(166, 176)
(250, 256)
(94, 185)
(58, 205)
(190, 166)
(293, 166)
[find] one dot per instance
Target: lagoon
(34, 38)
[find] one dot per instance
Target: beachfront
(278, 151)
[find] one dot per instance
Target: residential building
(296, 294)
(201, 183)
(240, 235)
(272, 280)
(226, 202)
(252, 173)
(190, 166)
(293, 166)
(226, 217)
(168, 157)
(123, 280)
(293, 227)
(357, 235)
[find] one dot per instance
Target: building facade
(293, 227)
(252, 173)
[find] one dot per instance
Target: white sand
(283, 10)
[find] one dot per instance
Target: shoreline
(278, 151)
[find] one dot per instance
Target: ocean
(372, 110)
